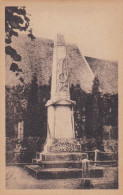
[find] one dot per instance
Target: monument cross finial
(59, 41)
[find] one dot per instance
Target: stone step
(61, 156)
(71, 164)
(60, 173)
(59, 164)
(51, 173)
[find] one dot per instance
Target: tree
(95, 99)
(79, 96)
(33, 114)
(88, 119)
(97, 114)
(16, 21)
(110, 113)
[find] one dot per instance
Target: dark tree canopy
(16, 20)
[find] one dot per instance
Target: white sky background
(95, 27)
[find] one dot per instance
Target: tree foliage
(28, 103)
(36, 113)
(16, 21)
(97, 113)
(16, 104)
(80, 97)
(32, 123)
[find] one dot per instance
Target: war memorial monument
(62, 156)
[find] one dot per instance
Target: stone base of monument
(61, 173)
(62, 166)
(62, 159)
(62, 156)
(53, 173)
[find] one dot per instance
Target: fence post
(96, 155)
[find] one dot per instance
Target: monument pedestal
(60, 132)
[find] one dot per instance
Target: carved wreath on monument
(65, 146)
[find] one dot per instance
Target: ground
(18, 178)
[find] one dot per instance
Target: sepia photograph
(61, 95)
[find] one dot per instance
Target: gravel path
(18, 178)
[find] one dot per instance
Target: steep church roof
(37, 57)
(107, 72)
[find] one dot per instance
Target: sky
(94, 26)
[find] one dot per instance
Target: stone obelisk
(60, 118)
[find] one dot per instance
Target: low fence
(19, 157)
(101, 156)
